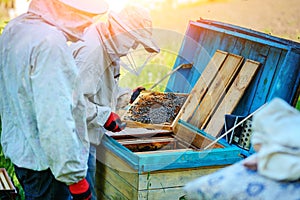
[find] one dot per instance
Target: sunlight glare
(117, 5)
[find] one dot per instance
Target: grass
(153, 72)
(298, 103)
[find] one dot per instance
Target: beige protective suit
(98, 56)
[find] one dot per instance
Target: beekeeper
(42, 110)
(98, 59)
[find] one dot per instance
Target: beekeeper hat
(90, 6)
(137, 21)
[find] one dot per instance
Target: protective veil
(39, 130)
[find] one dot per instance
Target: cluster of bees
(156, 108)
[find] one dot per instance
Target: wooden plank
(125, 183)
(232, 97)
(227, 42)
(216, 90)
(138, 133)
(165, 139)
(135, 124)
(4, 181)
(190, 159)
(166, 193)
(203, 83)
(249, 102)
(237, 34)
(189, 52)
(1, 186)
(204, 56)
(173, 178)
(110, 159)
(165, 151)
(149, 144)
(107, 191)
(193, 138)
(130, 177)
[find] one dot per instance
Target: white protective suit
(42, 126)
(98, 60)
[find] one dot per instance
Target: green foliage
(153, 72)
(2, 25)
(298, 103)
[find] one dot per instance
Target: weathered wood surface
(216, 90)
(135, 124)
(232, 97)
(202, 84)
(5, 181)
(149, 144)
(138, 133)
(113, 157)
(113, 184)
(193, 138)
(172, 178)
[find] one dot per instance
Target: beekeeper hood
(70, 16)
(135, 22)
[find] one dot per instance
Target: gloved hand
(81, 190)
(114, 123)
(136, 92)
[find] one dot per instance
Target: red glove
(136, 92)
(81, 190)
(114, 123)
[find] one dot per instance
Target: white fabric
(136, 21)
(97, 58)
(42, 109)
(54, 12)
(91, 6)
(97, 77)
(276, 128)
(236, 182)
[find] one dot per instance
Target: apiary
(235, 71)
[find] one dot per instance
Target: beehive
(156, 162)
